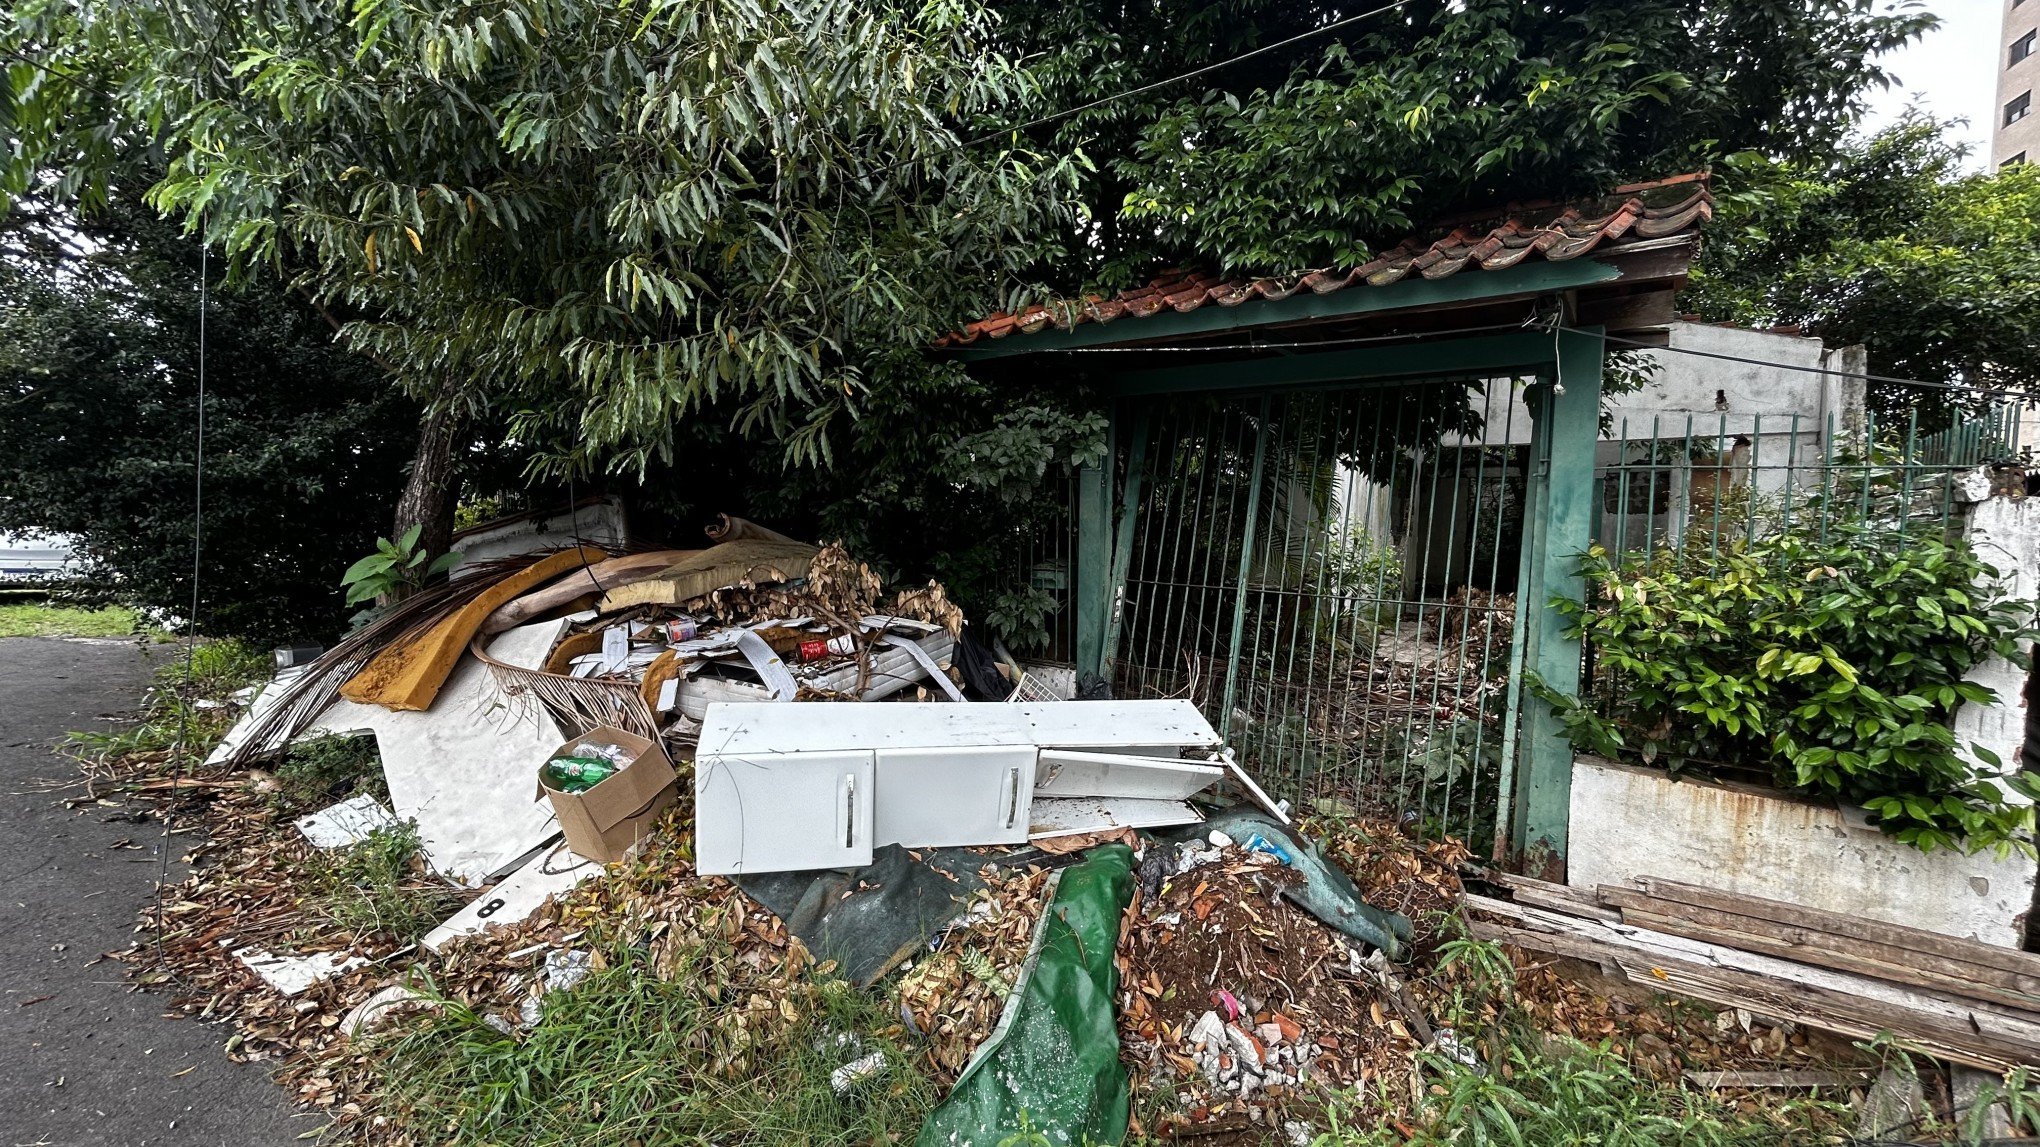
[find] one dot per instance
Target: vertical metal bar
(1239, 617)
(1122, 542)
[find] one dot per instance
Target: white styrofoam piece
(1102, 726)
(1070, 816)
(463, 769)
(349, 822)
(517, 895)
(933, 798)
(783, 813)
(290, 975)
(1069, 773)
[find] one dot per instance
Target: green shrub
(316, 773)
(373, 887)
(1834, 661)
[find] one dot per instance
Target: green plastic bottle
(577, 774)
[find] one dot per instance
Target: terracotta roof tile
(1495, 241)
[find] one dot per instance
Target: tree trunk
(433, 487)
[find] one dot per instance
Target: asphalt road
(85, 1060)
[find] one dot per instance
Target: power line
(1189, 75)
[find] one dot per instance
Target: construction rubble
(1026, 875)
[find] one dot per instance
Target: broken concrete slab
(348, 823)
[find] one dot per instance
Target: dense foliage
(305, 442)
(1891, 243)
(603, 221)
(1835, 658)
(1315, 153)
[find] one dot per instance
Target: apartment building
(2015, 137)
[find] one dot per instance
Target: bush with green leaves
(395, 568)
(1834, 658)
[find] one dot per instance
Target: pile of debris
(1240, 1009)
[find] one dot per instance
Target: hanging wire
(180, 761)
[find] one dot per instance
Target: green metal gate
(1332, 576)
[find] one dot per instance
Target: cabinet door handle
(1012, 797)
(849, 810)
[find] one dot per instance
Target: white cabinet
(790, 787)
(784, 812)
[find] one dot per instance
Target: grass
(170, 712)
(39, 619)
(656, 1058)
(317, 773)
(376, 887)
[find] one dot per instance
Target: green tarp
(1052, 1065)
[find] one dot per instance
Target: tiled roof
(1496, 241)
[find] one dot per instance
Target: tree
(1318, 152)
(305, 441)
(1891, 244)
(608, 221)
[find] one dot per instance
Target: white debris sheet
(348, 823)
(290, 975)
(517, 896)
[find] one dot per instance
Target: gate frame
(1564, 404)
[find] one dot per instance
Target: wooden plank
(1557, 897)
(1766, 1080)
(1820, 996)
(408, 675)
(1690, 980)
(1811, 946)
(1854, 927)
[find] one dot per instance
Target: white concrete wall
(1628, 822)
(2005, 533)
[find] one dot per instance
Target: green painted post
(1094, 559)
(1239, 615)
(1122, 541)
(1558, 527)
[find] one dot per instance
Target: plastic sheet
(1052, 1064)
(869, 919)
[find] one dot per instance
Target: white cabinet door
(1071, 773)
(783, 812)
(978, 794)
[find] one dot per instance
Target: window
(2019, 108)
(2019, 158)
(2022, 47)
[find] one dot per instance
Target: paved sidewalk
(84, 1060)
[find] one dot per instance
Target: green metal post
(1094, 560)
(1122, 542)
(1239, 617)
(1558, 528)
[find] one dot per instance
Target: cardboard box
(603, 822)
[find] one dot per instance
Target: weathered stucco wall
(2006, 533)
(1628, 822)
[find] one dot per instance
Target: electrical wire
(1055, 117)
(180, 761)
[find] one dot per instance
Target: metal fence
(1331, 576)
(1689, 485)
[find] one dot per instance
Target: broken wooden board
(595, 579)
(1955, 1028)
(463, 771)
(409, 675)
(1811, 936)
(750, 561)
(1779, 1080)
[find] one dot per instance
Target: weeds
(1547, 1092)
(317, 773)
(652, 1056)
(374, 887)
(175, 712)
